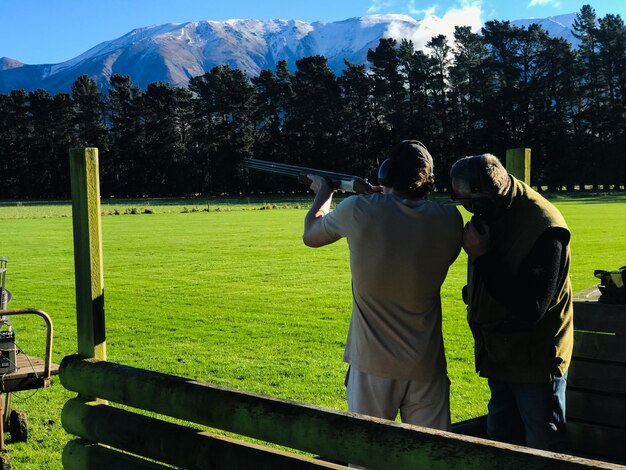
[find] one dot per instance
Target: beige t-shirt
(400, 251)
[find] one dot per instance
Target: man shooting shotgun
(340, 181)
(401, 246)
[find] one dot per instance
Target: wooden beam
(88, 272)
(598, 316)
(597, 376)
(604, 441)
(80, 454)
(599, 347)
(340, 436)
(597, 408)
(173, 444)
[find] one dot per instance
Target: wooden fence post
(518, 164)
(89, 277)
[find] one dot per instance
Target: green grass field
(230, 296)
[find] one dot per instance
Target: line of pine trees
(506, 87)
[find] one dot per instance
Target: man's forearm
(315, 234)
(319, 208)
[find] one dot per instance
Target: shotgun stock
(349, 183)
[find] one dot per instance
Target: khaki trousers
(420, 403)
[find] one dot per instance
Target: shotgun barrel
(350, 183)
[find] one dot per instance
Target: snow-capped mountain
(557, 26)
(176, 52)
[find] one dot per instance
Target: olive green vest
(505, 348)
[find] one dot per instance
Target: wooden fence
(112, 437)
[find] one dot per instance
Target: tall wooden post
(85, 183)
(518, 164)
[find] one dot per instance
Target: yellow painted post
(85, 183)
(518, 164)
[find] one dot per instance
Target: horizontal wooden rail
(81, 454)
(173, 444)
(337, 435)
(599, 347)
(598, 408)
(595, 316)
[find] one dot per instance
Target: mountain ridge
(175, 52)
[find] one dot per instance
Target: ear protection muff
(391, 170)
(385, 170)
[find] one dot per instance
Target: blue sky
(52, 31)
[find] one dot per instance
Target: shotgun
(343, 182)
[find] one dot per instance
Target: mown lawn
(232, 297)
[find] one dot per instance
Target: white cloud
(380, 5)
(554, 3)
(412, 10)
(467, 13)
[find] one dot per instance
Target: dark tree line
(506, 87)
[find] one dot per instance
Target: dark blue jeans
(528, 414)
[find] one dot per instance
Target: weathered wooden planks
(596, 395)
(337, 435)
(173, 444)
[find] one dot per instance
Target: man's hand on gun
(319, 184)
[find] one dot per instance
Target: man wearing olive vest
(519, 301)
